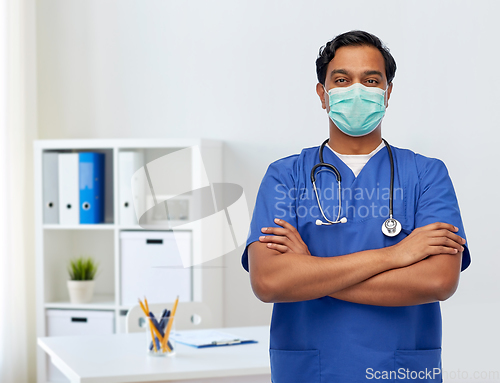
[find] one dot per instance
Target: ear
(321, 93)
(388, 95)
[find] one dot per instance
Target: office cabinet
(198, 163)
(76, 322)
(151, 266)
(79, 322)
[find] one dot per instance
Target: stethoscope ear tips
(343, 220)
(318, 222)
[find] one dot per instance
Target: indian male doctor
(357, 252)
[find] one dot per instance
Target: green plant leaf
(82, 269)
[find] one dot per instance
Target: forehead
(357, 59)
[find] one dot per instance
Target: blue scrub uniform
(329, 340)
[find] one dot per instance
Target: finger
(447, 242)
(281, 240)
(294, 236)
(284, 224)
(290, 227)
(442, 225)
(274, 239)
(280, 248)
(455, 237)
(276, 231)
(446, 233)
(435, 250)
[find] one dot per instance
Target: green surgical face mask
(357, 109)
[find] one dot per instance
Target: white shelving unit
(56, 244)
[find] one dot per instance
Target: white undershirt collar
(356, 162)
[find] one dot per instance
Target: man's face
(355, 64)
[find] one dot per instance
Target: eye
(372, 81)
(340, 80)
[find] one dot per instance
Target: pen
(233, 341)
(150, 327)
(163, 321)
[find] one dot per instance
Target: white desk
(122, 358)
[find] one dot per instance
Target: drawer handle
(84, 320)
(154, 241)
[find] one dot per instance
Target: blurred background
(244, 72)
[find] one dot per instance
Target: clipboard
(208, 338)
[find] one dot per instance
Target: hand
(435, 238)
(285, 239)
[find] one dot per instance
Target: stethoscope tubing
(391, 160)
(335, 171)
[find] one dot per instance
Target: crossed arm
(422, 268)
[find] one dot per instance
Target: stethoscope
(391, 227)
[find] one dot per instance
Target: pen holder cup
(157, 345)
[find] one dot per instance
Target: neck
(344, 144)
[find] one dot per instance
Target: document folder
(69, 212)
(129, 163)
(50, 179)
(91, 185)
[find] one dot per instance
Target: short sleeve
(276, 198)
(438, 202)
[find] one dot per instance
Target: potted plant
(82, 271)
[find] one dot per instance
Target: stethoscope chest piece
(391, 227)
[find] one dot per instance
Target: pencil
(172, 318)
(143, 308)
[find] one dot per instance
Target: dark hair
(353, 38)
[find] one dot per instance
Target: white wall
(244, 72)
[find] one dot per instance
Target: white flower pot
(80, 291)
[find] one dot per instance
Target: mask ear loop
(328, 96)
(325, 90)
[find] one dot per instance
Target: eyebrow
(366, 72)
